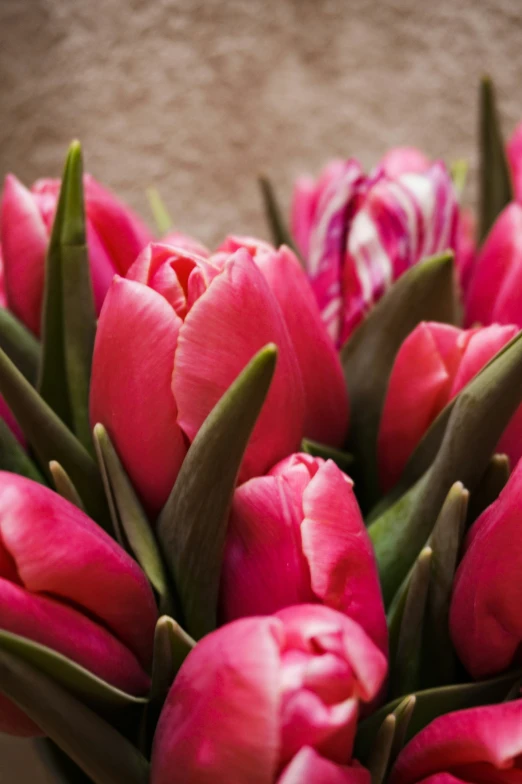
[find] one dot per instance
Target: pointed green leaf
(20, 345)
(492, 483)
(439, 661)
(459, 174)
(426, 292)
(63, 769)
(379, 757)
(64, 486)
(343, 459)
(277, 224)
(192, 525)
(93, 691)
(52, 440)
(93, 744)
(403, 713)
(160, 213)
(405, 664)
(432, 703)
(13, 456)
(136, 526)
(476, 421)
(171, 647)
(496, 189)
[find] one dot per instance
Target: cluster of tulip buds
(261, 505)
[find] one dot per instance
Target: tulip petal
(215, 345)
(308, 766)
(400, 160)
(131, 387)
(514, 155)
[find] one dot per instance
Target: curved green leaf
(343, 460)
(277, 224)
(426, 292)
(493, 481)
(63, 769)
(64, 486)
(14, 458)
(192, 526)
(20, 345)
(379, 757)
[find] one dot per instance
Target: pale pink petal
(400, 160)
(308, 766)
(184, 241)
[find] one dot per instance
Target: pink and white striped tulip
(115, 236)
(363, 232)
(295, 536)
(433, 364)
(326, 399)
(485, 618)
(475, 746)
(252, 695)
(64, 583)
(172, 336)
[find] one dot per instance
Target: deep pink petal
(235, 318)
(131, 387)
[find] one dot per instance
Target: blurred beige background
(197, 97)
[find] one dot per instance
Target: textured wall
(197, 97)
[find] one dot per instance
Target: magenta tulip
(115, 236)
(358, 234)
(475, 746)
(171, 339)
(295, 536)
(485, 618)
(326, 400)
(186, 242)
(433, 364)
(308, 766)
(66, 584)
(252, 695)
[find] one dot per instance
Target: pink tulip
(295, 536)
(475, 746)
(186, 242)
(495, 288)
(66, 584)
(171, 339)
(364, 232)
(514, 156)
(115, 236)
(326, 400)
(5, 411)
(433, 364)
(404, 160)
(308, 766)
(252, 695)
(485, 618)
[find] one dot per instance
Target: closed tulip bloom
(475, 746)
(171, 339)
(485, 618)
(297, 535)
(495, 289)
(326, 399)
(366, 231)
(64, 583)
(433, 364)
(252, 695)
(115, 236)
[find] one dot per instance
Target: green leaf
(93, 691)
(160, 213)
(14, 458)
(63, 769)
(52, 440)
(426, 292)
(431, 703)
(403, 713)
(93, 744)
(20, 345)
(459, 174)
(134, 522)
(343, 459)
(277, 224)
(406, 654)
(493, 481)
(477, 419)
(64, 486)
(496, 189)
(439, 661)
(379, 757)
(192, 526)
(69, 322)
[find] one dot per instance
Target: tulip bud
(485, 619)
(297, 535)
(171, 339)
(252, 695)
(115, 236)
(67, 585)
(433, 364)
(326, 400)
(476, 746)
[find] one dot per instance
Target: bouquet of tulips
(260, 506)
